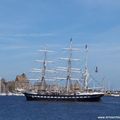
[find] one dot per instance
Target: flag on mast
(96, 69)
(86, 46)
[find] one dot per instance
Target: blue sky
(29, 25)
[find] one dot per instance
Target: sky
(29, 25)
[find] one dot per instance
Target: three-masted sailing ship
(70, 91)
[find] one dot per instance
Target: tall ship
(70, 89)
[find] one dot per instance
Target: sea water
(17, 108)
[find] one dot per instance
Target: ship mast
(42, 85)
(69, 69)
(86, 72)
(68, 82)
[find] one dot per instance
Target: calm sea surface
(17, 108)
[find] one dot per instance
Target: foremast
(42, 85)
(43, 82)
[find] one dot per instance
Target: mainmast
(69, 69)
(68, 82)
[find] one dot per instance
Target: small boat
(68, 92)
(115, 95)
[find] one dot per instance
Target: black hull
(62, 98)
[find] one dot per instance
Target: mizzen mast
(86, 72)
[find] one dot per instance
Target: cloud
(13, 47)
(12, 44)
(26, 34)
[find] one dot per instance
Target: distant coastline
(21, 84)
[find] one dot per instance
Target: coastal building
(21, 82)
(3, 86)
